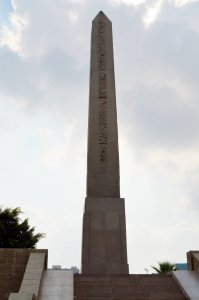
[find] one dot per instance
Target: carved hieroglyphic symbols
(102, 96)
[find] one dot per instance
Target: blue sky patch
(5, 9)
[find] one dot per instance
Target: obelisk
(104, 248)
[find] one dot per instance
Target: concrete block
(31, 281)
(36, 256)
(34, 271)
(34, 289)
(35, 265)
(24, 296)
(30, 275)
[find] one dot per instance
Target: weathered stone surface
(104, 248)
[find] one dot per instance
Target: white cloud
(153, 3)
(183, 2)
(78, 1)
(11, 35)
(181, 161)
(73, 16)
(152, 13)
(129, 2)
(56, 156)
(36, 27)
(53, 158)
(151, 9)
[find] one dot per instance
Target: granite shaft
(103, 156)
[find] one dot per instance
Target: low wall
(12, 268)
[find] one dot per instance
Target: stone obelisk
(104, 248)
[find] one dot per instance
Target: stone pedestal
(104, 236)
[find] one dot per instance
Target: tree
(165, 267)
(15, 233)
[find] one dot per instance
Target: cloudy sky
(44, 80)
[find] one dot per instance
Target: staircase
(126, 287)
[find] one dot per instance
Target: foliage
(15, 233)
(165, 267)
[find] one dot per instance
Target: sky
(44, 85)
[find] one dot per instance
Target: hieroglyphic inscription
(102, 96)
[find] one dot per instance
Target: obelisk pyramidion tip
(100, 15)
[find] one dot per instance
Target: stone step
(126, 287)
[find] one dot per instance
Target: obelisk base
(104, 248)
